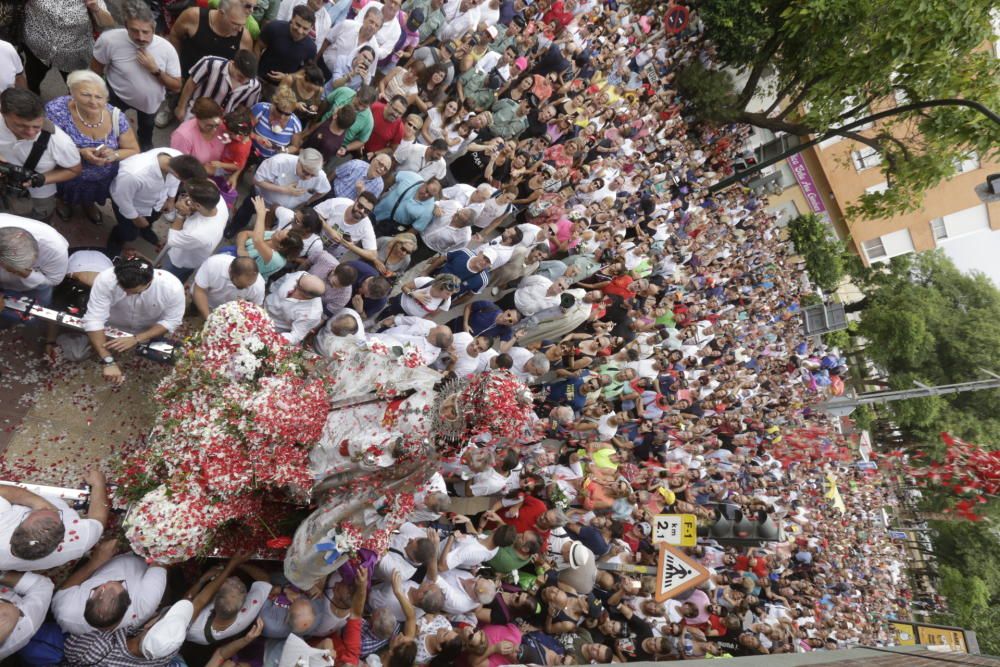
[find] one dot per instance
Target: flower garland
(239, 418)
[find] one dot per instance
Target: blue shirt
(569, 392)
(262, 127)
(349, 174)
(366, 271)
(483, 321)
(457, 264)
(409, 212)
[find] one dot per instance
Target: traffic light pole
(841, 406)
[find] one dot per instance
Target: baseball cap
(522, 63)
(167, 635)
(490, 254)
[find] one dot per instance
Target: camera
(13, 177)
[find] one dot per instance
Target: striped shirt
(211, 79)
(279, 136)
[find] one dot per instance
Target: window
(888, 245)
(938, 229)
(969, 163)
(848, 105)
(878, 188)
(874, 249)
(866, 158)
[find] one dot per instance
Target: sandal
(64, 211)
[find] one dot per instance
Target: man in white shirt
(468, 552)
(140, 67)
(426, 160)
(426, 598)
(224, 278)
(24, 131)
(528, 366)
(344, 39)
(11, 68)
(197, 229)
(283, 180)
(428, 338)
(449, 231)
(460, 17)
(231, 610)
(392, 28)
(108, 592)
(24, 601)
(134, 297)
(141, 190)
(33, 258)
(469, 357)
(537, 293)
(39, 533)
(296, 305)
(409, 548)
(347, 223)
(464, 593)
(344, 330)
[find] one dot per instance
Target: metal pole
(912, 106)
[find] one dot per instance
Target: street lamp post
(912, 106)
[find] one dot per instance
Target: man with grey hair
(140, 66)
(33, 258)
(450, 230)
(283, 180)
(528, 366)
(464, 592)
(429, 339)
(232, 610)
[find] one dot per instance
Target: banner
(806, 183)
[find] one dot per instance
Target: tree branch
(873, 143)
(774, 124)
(782, 94)
(801, 96)
(761, 64)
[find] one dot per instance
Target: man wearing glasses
(39, 533)
(347, 225)
(283, 180)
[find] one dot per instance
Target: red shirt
(347, 643)
(619, 287)
(384, 133)
(527, 515)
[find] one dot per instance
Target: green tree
(817, 64)
(969, 557)
(816, 242)
(926, 321)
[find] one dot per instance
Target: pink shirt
(497, 634)
(187, 139)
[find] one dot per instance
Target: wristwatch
(107, 361)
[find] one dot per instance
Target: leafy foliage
(883, 49)
(969, 555)
(815, 241)
(926, 321)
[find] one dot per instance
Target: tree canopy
(927, 321)
(815, 241)
(825, 62)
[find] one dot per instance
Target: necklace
(91, 126)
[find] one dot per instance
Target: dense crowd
(496, 184)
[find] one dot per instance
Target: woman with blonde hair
(276, 124)
(394, 253)
(101, 133)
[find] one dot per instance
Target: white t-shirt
(213, 277)
(280, 170)
(10, 65)
(61, 152)
(31, 595)
(312, 245)
(140, 186)
(134, 84)
(81, 535)
(252, 604)
(411, 306)
(109, 306)
(50, 266)
(191, 245)
(360, 233)
(145, 587)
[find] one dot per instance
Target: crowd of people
(496, 184)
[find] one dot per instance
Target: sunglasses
(282, 112)
(360, 211)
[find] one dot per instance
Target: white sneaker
(164, 116)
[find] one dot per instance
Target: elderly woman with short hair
(101, 133)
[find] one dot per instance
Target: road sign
(679, 530)
(675, 573)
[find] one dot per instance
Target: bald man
(295, 304)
